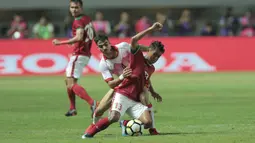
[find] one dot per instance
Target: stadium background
(206, 76)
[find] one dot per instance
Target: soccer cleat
(93, 107)
(72, 112)
(85, 136)
(123, 128)
(153, 131)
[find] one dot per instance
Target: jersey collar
(147, 62)
(79, 17)
(115, 48)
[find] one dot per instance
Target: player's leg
(71, 95)
(141, 112)
(137, 111)
(73, 72)
(104, 105)
(119, 106)
(144, 98)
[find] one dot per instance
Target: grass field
(196, 108)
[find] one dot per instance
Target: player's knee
(143, 99)
(114, 117)
(69, 85)
(147, 123)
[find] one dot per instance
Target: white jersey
(110, 67)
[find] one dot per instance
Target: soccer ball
(134, 128)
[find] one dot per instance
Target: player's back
(133, 86)
(83, 47)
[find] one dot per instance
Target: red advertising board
(40, 57)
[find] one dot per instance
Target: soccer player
(83, 34)
(155, 52)
(112, 63)
(127, 95)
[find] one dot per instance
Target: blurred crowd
(227, 25)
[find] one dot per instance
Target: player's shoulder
(86, 17)
(102, 64)
(82, 19)
(123, 45)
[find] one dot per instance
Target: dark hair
(158, 45)
(208, 23)
(100, 37)
(77, 1)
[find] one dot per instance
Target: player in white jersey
(115, 62)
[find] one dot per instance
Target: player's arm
(139, 36)
(144, 48)
(77, 38)
(112, 83)
(115, 82)
(107, 75)
(151, 87)
(154, 94)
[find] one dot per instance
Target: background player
(127, 95)
(83, 34)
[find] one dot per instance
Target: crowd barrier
(194, 54)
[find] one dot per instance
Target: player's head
(155, 51)
(43, 20)
(103, 43)
(76, 7)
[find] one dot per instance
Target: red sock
(125, 122)
(99, 126)
(81, 92)
(149, 105)
(71, 97)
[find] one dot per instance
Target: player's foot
(85, 136)
(123, 128)
(93, 107)
(153, 131)
(72, 112)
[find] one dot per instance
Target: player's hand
(156, 96)
(55, 42)
(157, 26)
(127, 72)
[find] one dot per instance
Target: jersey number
(90, 32)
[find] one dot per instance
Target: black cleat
(71, 113)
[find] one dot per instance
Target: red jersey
(149, 70)
(83, 47)
(132, 87)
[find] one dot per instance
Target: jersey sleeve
(106, 73)
(134, 50)
(126, 47)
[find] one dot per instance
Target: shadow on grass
(172, 134)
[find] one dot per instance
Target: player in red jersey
(83, 34)
(155, 52)
(127, 95)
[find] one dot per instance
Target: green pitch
(196, 108)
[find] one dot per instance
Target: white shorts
(76, 65)
(123, 104)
